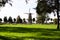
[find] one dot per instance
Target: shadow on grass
(26, 38)
(46, 32)
(24, 30)
(39, 31)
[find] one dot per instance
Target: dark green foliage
(30, 18)
(48, 19)
(3, 2)
(24, 21)
(46, 6)
(40, 19)
(33, 19)
(41, 10)
(0, 20)
(51, 19)
(55, 21)
(14, 20)
(5, 19)
(19, 20)
(41, 7)
(10, 20)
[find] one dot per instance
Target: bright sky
(19, 8)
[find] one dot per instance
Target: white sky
(19, 8)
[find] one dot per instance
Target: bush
(10, 20)
(33, 19)
(5, 19)
(0, 20)
(19, 20)
(40, 19)
(55, 21)
(24, 21)
(14, 20)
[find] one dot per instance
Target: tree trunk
(58, 13)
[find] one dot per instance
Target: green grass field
(29, 32)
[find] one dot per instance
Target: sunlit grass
(30, 31)
(48, 26)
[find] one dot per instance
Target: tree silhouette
(48, 6)
(41, 9)
(10, 20)
(14, 20)
(0, 20)
(51, 19)
(19, 20)
(33, 19)
(55, 21)
(5, 19)
(24, 21)
(26, 1)
(3, 2)
(40, 19)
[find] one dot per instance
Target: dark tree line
(23, 21)
(15, 20)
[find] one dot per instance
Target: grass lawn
(29, 32)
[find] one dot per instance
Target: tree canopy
(48, 6)
(3, 2)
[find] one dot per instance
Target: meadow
(29, 32)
